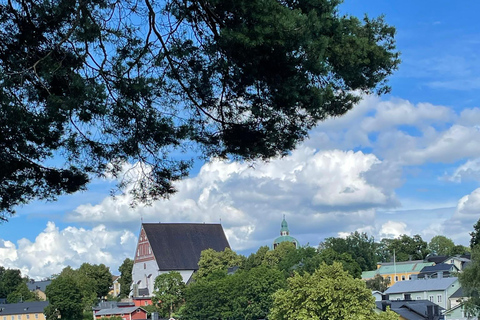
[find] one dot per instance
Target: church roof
(177, 246)
(285, 239)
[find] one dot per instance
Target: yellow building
(23, 311)
(398, 271)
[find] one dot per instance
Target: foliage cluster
(76, 290)
(82, 82)
(14, 287)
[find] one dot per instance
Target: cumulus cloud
(466, 215)
(470, 170)
(393, 229)
(319, 190)
(53, 249)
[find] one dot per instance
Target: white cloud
(393, 229)
(470, 170)
(466, 215)
(318, 190)
(54, 249)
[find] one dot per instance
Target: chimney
(385, 304)
(429, 312)
(440, 274)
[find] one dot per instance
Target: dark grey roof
(439, 267)
(437, 259)
(458, 293)
(427, 284)
(23, 307)
(126, 310)
(177, 246)
(411, 309)
(113, 304)
(38, 285)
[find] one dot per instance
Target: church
(165, 247)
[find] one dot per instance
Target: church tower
(284, 235)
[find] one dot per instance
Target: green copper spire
(284, 235)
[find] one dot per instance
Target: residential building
(437, 290)
(284, 235)
(165, 247)
(397, 271)
(39, 288)
(446, 269)
(126, 313)
(23, 311)
(115, 289)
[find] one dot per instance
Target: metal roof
(416, 285)
(126, 310)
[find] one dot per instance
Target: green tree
(255, 259)
(98, 276)
(329, 256)
(358, 245)
(241, 79)
(21, 294)
(212, 261)
(168, 292)
(65, 299)
(330, 293)
(475, 234)
(10, 280)
(247, 294)
(442, 246)
(405, 248)
(378, 283)
(470, 281)
(125, 277)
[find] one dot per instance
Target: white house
(165, 247)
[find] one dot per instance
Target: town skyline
(404, 163)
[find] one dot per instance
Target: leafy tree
(243, 79)
(358, 245)
(475, 234)
(212, 261)
(247, 294)
(125, 277)
(405, 248)
(378, 283)
(21, 294)
(168, 292)
(329, 256)
(10, 279)
(255, 259)
(470, 281)
(330, 293)
(441, 245)
(98, 276)
(65, 299)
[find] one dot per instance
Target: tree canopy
(125, 277)
(86, 86)
(65, 299)
(168, 292)
(329, 293)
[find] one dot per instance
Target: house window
(13, 317)
(430, 298)
(439, 298)
(28, 316)
(409, 277)
(389, 279)
(19, 317)
(36, 315)
(403, 278)
(144, 266)
(396, 278)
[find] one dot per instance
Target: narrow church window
(144, 266)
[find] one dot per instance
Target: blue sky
(407, 162)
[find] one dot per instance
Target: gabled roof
(411, 309)
(403, 267)
(38, 285)
(23, 308)
(177, 246)
(427, 284)
(439, 267)
(458, 293)
(127, 310)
